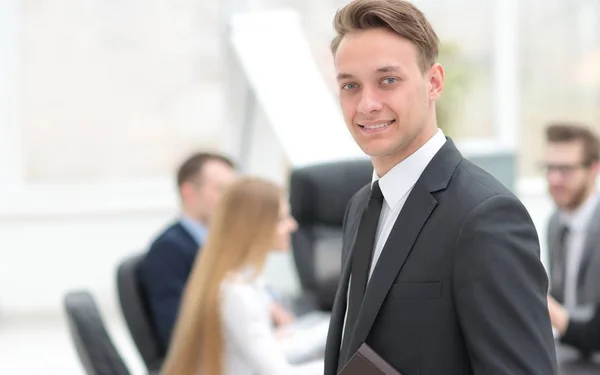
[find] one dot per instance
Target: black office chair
(319, 195)
(94, 346)
(134, 307)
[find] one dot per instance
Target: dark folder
(366, 362)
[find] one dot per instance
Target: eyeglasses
(564, 169)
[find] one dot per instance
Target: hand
(282, 333)
(280, 316)
(558, 315)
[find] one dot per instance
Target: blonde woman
(224, 325)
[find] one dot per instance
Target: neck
(383, 164)
(588, 194)
(191, 215)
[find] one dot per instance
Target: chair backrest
(94, 346)
(134, 307)
(319, 195)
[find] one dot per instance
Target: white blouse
(251, 346)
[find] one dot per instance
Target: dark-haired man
(572, 164)
(164, 271)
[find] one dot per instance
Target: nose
(369, 102)
(554, 177)
(293, 225)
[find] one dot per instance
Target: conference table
(571, 363)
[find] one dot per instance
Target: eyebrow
(383, 69)
(389, 68)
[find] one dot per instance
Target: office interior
(100, 100)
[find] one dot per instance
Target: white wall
(10, 141)
(55, 239)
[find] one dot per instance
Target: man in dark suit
(572, 165)
(441, 268)
(164, 271)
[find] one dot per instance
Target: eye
(389, 80)
(349, 86)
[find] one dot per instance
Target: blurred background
(101, 99)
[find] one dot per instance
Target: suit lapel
(412, 218)
(334, 335)
(555, 252)
(553, 238)
(591, 245)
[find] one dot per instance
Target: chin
(377, 152)
(562, 204)
(377, 147)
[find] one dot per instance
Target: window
(560, 69)
(117, 89)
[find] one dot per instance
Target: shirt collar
(579, 219)
(195, 228)
(403, 176)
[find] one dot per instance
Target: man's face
(385, 98)
(569, 179)
(202, 195)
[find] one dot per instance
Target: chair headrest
(320, 193)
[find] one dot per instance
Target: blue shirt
(199, 232)
(195, 228)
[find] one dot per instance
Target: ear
(185, 190)
(436, 81)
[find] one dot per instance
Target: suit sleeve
(584, 336)
(500, 288)
(164, 273)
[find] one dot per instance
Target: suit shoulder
(477, 185)
(170, 250)
(173, 238)
(473, 191)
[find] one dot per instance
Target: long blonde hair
(241, 233)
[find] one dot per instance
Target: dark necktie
(560, 269)
(361, 264)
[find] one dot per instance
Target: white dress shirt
(395, 187)
(250, 344)
(397, 184)
(578, 223)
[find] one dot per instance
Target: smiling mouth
(377, 126)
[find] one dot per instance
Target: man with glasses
(572, 162)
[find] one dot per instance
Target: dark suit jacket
(459, 287)
(163, 274)
(584, 336)
(588, 277)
